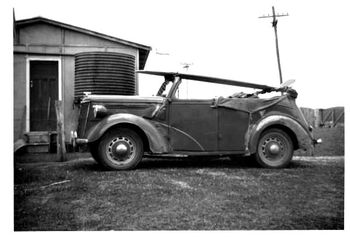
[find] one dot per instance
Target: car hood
(122, 99)
(141, 106)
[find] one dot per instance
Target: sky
(225, 38)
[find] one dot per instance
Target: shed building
(46, 53)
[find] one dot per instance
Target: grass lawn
(181, 194)
(333, 141)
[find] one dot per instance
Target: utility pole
(274, 25)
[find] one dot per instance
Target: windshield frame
(163, 87)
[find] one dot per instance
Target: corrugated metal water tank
(104, 73)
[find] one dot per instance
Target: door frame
(40, 58)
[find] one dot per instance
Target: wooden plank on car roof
(208, 79)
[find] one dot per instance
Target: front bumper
(75, 141)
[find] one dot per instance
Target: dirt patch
(181, 184)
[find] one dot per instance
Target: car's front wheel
(120, 149)
(93, 147)
(275, 149)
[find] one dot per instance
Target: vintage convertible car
(120, 130)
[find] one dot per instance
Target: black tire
(94, 152)
(120, 149)
(275, 149)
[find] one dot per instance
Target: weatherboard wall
(45, 41)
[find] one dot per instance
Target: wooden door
(43, 93)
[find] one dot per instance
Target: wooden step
(40, 137)
(37, 147)
(37, 137)
(40, 141)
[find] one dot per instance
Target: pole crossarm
(276, 15)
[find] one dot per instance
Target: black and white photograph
(176, 116)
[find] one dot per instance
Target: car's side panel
(232, 126)
(193, 125)
(303, 136)
(157, 140)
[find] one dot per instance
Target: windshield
(151, 85)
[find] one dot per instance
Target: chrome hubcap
(121, 150)
(273, 148)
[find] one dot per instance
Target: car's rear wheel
(120, 149)
(275, 149)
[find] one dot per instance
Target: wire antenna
(186, 65)
(274, 25)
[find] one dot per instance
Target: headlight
(100, 111)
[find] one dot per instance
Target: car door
(232, 128)
(193, 125)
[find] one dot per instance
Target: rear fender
(156, 140)
(302, 136)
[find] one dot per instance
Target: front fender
(157, 142)
(303, 137)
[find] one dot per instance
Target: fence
(329, 117)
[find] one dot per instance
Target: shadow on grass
(173, 163)
(87, 163)
(165, 163)
(190, 163)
